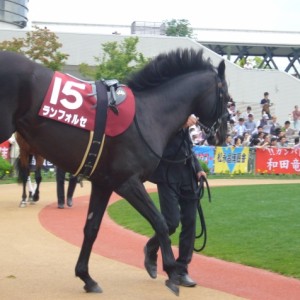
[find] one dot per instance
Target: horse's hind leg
(24, 196)
(30, 190)
(38, 180)
(23, 175)
(134, 192)
(98, 203)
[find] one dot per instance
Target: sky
(278, 15)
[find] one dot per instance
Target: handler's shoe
(70, 202)
(150, 264)
(186, 280)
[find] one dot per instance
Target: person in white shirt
(240, 128)
(250, 124)
(245, 114)
(14, 150)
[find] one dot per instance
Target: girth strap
(95, 145)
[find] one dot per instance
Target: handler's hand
(201, 173)
(192, 120)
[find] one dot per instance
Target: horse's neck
(161, 117)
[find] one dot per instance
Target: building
(83, 42)
(14, 13)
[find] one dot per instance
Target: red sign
(278, 161)
(70, 101)
(4, 149)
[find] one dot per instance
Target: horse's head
(184, 83)
(214, 123)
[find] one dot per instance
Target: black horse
(167, 90)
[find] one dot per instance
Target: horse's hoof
(95, 288)
(22, 204)
(173, 287)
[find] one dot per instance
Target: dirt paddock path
(39, 246)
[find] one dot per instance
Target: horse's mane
(167, 66)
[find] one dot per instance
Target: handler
(177, 189)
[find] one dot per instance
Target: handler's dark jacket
(179, 148)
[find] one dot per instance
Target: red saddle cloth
(117, 124)
(71, 101)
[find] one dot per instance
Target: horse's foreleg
(134, 192)
(38, 180)
(98, 203)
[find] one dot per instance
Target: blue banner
(206, 154)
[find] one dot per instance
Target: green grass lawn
(254, 225)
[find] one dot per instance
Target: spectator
(273, 142)
(248, 65)
(197, 135)
(196, 139)
(261, 137)
(245, 114)
(250, 124)
(240, 128)
(282, 142)
(265, 104)
(230, 128)
(266, 141)
(296, 118)
(238, 115)
(274, 125)
(256, 132)
(231, 112)
(296, 143)
(264, 122)
(14, 149)
(255, 143)
(287, 129)
(194, 134)
(235, 115)
(238, 140)
(246, 139)
(228, 141)
(278, 133)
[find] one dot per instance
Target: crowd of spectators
(245, 129)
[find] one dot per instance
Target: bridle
(221, 112)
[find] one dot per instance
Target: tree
(41, 45)
(257, 62)
(179, 27)
(118, 60)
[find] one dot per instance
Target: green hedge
(5, 167)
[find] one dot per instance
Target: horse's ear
(221, 69)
